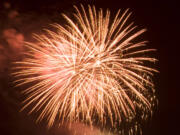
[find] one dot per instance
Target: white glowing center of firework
(73, 72)
(97, 63)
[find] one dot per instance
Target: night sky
(24, 17)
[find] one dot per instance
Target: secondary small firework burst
(89, 70)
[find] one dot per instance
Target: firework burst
(89, 70)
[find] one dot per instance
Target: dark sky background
(34, 15)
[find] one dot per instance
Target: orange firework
(90, 70)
